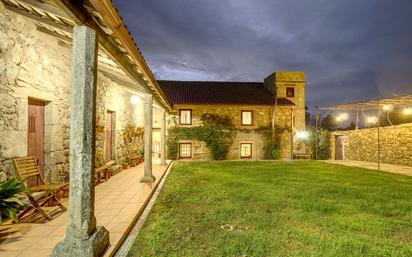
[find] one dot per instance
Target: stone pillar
(163, 138)
(82, 236)
(148, 124)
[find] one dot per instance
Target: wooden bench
(103, 172)
(135, 160)
(300, 156)
(134, 156)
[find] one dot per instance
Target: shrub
(9, 202)
(323, 143)
(216, 131)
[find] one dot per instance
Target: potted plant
(10, 204)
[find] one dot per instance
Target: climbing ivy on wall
(272, 141)
(216, 131)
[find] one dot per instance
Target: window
(185, 150)
(246, 150)
(247, 118)
(185, 116)
(290, 92)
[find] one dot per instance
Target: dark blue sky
(350, 49)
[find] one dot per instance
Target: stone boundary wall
(362, 144)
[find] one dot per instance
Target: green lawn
(303, 208)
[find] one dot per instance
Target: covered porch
(108, 76)
(118, 204)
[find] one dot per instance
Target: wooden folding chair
(26, 168)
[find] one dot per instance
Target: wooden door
(35, 129)
(108, 137)
(338, 147)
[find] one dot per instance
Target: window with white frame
(246, 150)
(185, 116)
(247, 118)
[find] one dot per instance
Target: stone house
(35, 88)
(279, 100)
(74, 89)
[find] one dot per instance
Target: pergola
(374, 104)
(385, 104)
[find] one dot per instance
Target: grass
(303, 208)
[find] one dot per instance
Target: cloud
(350, 50)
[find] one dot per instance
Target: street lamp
(342, 117)
(372, 119)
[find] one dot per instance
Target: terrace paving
(119, 201)
(398, 169)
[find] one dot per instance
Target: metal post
(316, 132)
(357, 119)
(379, 137)
(274, 115)
(291, 133)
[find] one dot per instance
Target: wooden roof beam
(47, 8)
(110, 47)
(63, 27)
(114, 22)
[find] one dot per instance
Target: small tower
(290, 85)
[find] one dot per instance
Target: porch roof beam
(63, 27)
(43, 6)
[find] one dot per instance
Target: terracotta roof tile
(207, 92)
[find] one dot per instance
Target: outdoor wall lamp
(302, 134)
(135, 99)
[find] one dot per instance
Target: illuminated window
(185, 150)
(247, 118)
(290, 92)
(185, 117)
(246, 150)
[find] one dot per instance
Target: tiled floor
(117, 204)
(399, 169)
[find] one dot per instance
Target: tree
(309, 118)
(352, 126)
(329, 123)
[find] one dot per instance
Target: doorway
(35, 132)
(338, 147)
(108, 140)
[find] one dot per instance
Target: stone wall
(262, 117)
(362, 144)
(33, 65)
(113, 97)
